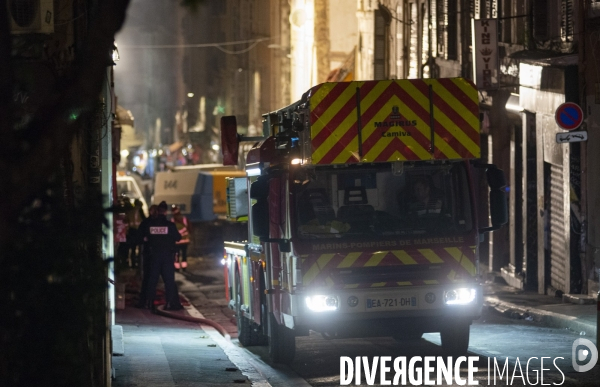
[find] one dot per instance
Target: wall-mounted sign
(565, 137)
(569, 116)
(485, 53)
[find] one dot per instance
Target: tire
(455, 338)
(282, 342)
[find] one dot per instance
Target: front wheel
(455, 338)
(282, 342)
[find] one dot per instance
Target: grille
(24, 12)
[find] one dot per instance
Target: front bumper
(423, 307)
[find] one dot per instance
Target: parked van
(128, 186)
(201, 195)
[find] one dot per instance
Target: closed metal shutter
(559, 251)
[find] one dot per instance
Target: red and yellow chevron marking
(458, 264)
(395, 121)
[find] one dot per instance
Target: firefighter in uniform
(162, 235)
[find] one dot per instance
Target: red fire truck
(362, 208)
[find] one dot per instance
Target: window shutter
(566, 22)
(540, 19)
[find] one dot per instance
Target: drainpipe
(585, 261)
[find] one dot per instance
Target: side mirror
(260, 188)
(495, 177)
(498, 200)
(284, 246)
(260, 218)
(230, 141)
(498, 208)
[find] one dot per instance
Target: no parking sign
(568, 116)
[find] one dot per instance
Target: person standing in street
(135, 215)
(162, 236)
(145, 257)
(181, 223)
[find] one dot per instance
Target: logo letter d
(575, 355)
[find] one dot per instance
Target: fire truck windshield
(423, 199)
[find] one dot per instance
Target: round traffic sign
(569, 116)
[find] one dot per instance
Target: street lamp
(514, 103)
(115, 53)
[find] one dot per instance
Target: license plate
(391, 303)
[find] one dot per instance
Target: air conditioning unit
(31, 16)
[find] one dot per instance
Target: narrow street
(494, 338)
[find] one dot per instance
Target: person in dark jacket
(145, 258)
(134, 217)
(162, 235)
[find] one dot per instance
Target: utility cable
(198, 320)
(200, 45)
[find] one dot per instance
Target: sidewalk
(547, 310)
(161, 351)
(152, 350)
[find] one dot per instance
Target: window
(447, 29)
(567, 19)
(424, 200)
(380, 59)
(553, 19)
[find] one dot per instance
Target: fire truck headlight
(321, 303)
(460, 296)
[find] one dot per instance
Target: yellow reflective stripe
(315, 269)
(469, 91)
(329, 281)
(349, 260)
(382, 143)
(378, 284)
(450, 125)
(431, 256)
(464, 261)
(466, 114)
(245, 284)
(431, 282)
(366, 102)
(335, 136)
(375, 258)
(333, 109)
(404, 257)
(452, 275)
(351, 286)
(321, 93)
(423, 100)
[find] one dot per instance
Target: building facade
(544, 55)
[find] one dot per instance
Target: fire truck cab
(362, 204)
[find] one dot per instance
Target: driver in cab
(426, 202)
